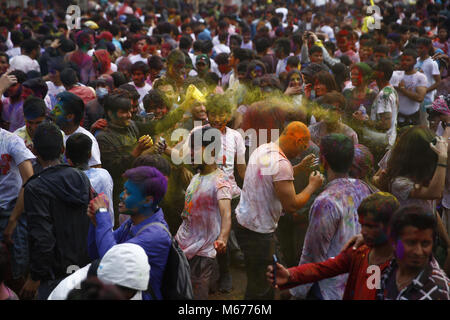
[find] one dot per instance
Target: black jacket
(56, 202)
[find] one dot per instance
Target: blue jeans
(19, 249)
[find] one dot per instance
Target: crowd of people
(328, 177)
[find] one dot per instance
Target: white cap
(126, 265)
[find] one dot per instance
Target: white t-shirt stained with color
(12, 153)
(259, 208)
(201, 215)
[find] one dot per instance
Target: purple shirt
(333, 220)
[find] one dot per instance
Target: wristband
(318, 43)
(442, 165)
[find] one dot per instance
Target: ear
(149, 199)
(70, 162)
(63, 149)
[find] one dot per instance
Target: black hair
(68, 77)
(212, 78)
(395, 37)
(293, 61)
(243, 54)
(29, 45)
(78, 149)
(139, 66)
(381, 48)
(34, 108)
(236, 37)
(222, 58)
(386, 67)
(207, 46)
(330, 45)
(381, 205)
(119, 99)
(56, 64)
(314, 49)
(341, 74)
(262, 44)
(153, 160)
(185, 42)
(284, 44)
(197, 45)
(424, 42)
(72, 104)
(338, 151)
(134, 94)
(16, 38)
(410, 53)
(154, 98)
(412, 216)
(48, 141)
(20, 75)
(3, 54)
(213, 134)
(155, 62)
(223, 37)
(38, 86)
(118, 79)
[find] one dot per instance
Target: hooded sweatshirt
(56, 202)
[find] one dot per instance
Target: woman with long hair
(416, 171)
(324, 83)
(416, 168)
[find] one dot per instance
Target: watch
(102, 210)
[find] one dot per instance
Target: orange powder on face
(297, 130)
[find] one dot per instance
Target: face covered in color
(373, 232)
(414, 248)
(59, 116)
(132, 201)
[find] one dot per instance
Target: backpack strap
(154, 223)
(150, 289)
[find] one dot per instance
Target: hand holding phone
(274, 264)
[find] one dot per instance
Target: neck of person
(207, 169)
(331, 175)
(138, 218)
(83, 166)
(70, 129)
(410, 72)
(425, 57)
(382, 84)
(57, 82)
(48, 163)
(140, 84)
(406, 273)
(382, 251)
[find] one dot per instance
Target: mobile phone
(274, 264)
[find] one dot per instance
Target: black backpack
(176, 283)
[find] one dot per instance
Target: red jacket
(353, 262)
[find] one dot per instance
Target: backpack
(176, 282)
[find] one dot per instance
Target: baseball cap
(202, 57)
(126, 265)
